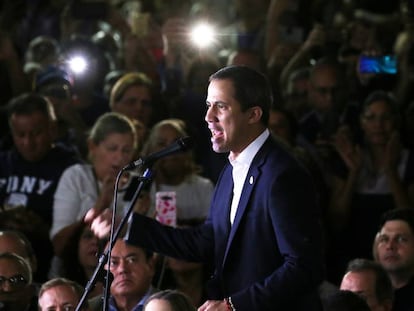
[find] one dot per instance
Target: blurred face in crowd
(363, 284)
(111, 154)
(32, 135)
(394, 247)
(296, 97)
(135, 104)
(15, 291)
(12, 276)
(323, 88)
(171, 165)
(62, 297)
(88, 249)
(378, 123)
(132, 271)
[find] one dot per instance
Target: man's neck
(401, 278)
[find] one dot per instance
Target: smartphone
(383, 64)
(166, 207)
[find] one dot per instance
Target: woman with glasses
(377, 176)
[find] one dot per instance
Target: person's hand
(100, 222)
(214, 305)
(350, 153)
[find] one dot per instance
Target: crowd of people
(301, 117)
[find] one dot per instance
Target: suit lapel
(225, 189)
(250, 182)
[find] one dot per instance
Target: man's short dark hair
(251, 88)
(403, 214)
(29, 103)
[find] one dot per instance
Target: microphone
(181, 144)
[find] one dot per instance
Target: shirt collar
(247, 155)
(138, 306)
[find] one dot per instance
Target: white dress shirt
(241, 166)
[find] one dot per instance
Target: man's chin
(219, 148)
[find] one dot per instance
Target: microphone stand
(146, 178)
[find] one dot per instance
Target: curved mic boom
(180, 145)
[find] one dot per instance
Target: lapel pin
(251, 180)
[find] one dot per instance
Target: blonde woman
(112, 144)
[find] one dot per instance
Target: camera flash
(77, 64)
(202, 35)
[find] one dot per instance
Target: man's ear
(255, 114)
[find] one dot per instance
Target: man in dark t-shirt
(394, 250)
(30, 171)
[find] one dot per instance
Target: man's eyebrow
(216, 102)
(127, 255)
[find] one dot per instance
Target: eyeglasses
(16, 281)
(400, 239)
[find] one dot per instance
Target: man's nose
(391, 244)
(27, 140)
(122, 266)
(210, 114)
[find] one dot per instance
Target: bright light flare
(78, 64)
(202, 35)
